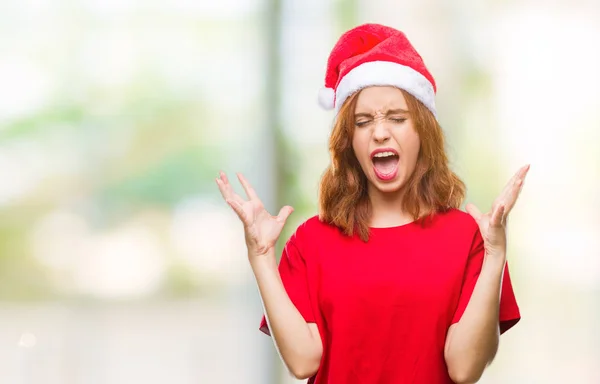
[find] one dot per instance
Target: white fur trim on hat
(326, 98)
(384, 73)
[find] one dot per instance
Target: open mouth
(385, 164)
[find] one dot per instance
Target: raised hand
(261, 228)
(493, 224)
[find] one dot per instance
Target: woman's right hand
(261, 228)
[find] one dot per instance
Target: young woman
(391, 283)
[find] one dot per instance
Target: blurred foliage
(21, 277)
(182, 282)
(346, 12)
(147, 153)
(143, 146)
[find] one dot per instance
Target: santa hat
(373, 54)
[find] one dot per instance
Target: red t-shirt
(383, 308)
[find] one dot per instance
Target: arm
(298, 343)
(472, 343)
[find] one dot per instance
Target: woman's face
(385, 141)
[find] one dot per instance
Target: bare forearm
(298, 346)
(472, 342)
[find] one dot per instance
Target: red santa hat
(373, 54)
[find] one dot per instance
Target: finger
(237, 208)
(511, 189)
(515, 191)
(222, 189)
(226, 183)
(520, 173)
(473, 211)
(226, 189)
(498, 216)
(284, 213)
(223, 177)
(507, 189)
(247, 187)
(511, 199)
(519, 177)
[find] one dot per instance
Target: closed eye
(398, 119)
(362, 123)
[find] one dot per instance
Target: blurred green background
(119, 262)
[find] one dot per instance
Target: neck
(386, 208)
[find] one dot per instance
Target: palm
(492, 225)
(261, 228)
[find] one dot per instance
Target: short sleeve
(294, 275)
(509, 313)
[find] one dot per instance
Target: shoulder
(457, 219)
(455, 223)
(312, 229)
(311, 232)
(456, 235)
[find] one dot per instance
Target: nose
(381, 132)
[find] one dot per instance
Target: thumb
(284, 213)
(473, 211)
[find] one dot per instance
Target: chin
(391, 186)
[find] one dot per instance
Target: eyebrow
(389, 112)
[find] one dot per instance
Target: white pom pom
(326, 98)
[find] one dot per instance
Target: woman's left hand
(493, 224)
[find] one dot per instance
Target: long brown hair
(432, 187)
